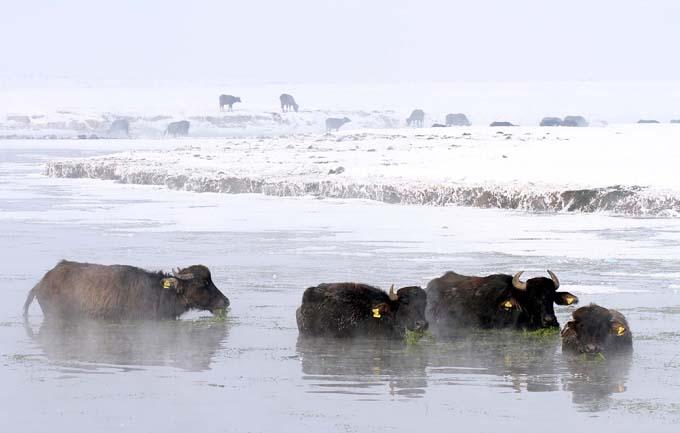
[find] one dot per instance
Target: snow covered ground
(628, 169)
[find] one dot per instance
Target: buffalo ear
(509, 304)
(170, 283)
(378, 310)
(565, 298)
(618, 328)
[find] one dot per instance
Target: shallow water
(251, 373)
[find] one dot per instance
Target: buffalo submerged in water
(495, 301)
(352, 309)
(595, 329)
(73, 290)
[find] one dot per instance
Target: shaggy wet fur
(347, 310)
(595, 329)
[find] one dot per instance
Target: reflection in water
(189, 345)
(500, 358)
(363, 366)
(592, 381)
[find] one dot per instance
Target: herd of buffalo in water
(71, 291)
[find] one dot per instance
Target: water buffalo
(416, 118)
(120, 128)
(551, 121)
(74, 290)
(352, 309)
(575, 121)
(594, 329)
(457, 119)
(495, 301)
(228, 100)
(178, 129)
(335, 123)
(501, 123)
(288, 102)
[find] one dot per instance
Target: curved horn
(554, 278)
(393, 296)
(516, 283)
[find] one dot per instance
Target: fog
(339, 41)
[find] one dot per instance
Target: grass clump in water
(220, 314)
(414, 337)
(542, 333)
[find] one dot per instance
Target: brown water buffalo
(495, 301)
(74, 290)
(353, 309)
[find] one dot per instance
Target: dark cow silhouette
(178, 129)
(73, 290)
(495, 301)
(416, 118)
(352, 309)
(551, 121)
(457, 119)
(120, 128)
(288, 102)
(648, 121)
(335, 123)
(501, 123)
(594, 329)
(575, 121)
(228, 100)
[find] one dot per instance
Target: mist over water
(251, 372)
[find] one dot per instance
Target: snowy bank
(623, 170)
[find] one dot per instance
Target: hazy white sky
(343, 40)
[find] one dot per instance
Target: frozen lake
(250, 373)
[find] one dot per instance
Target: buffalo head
(533, 301)
(195, 288)
(595, 330)
(405, 309)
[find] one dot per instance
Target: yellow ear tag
(570, 300)
(376, 313)
(508, 305)
(167, 284)
(620, 330)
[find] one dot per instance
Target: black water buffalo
(228, 100)
(178, 129)
(501, 123)
(288, 102)
(495, 301)
(335, 123)
(594, 329)
(575, 121)
(416, 118)
(457, 119)
(120, 128)
(74, 290)
(551, 121)
(352, 309)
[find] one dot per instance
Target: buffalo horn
(554, 278)
(516, 283)
(393, 296)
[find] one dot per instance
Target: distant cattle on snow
(178, 129)
(335, 123)
(228, 101)
(288, 102)
(416, 118)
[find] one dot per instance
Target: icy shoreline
(619, 171)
